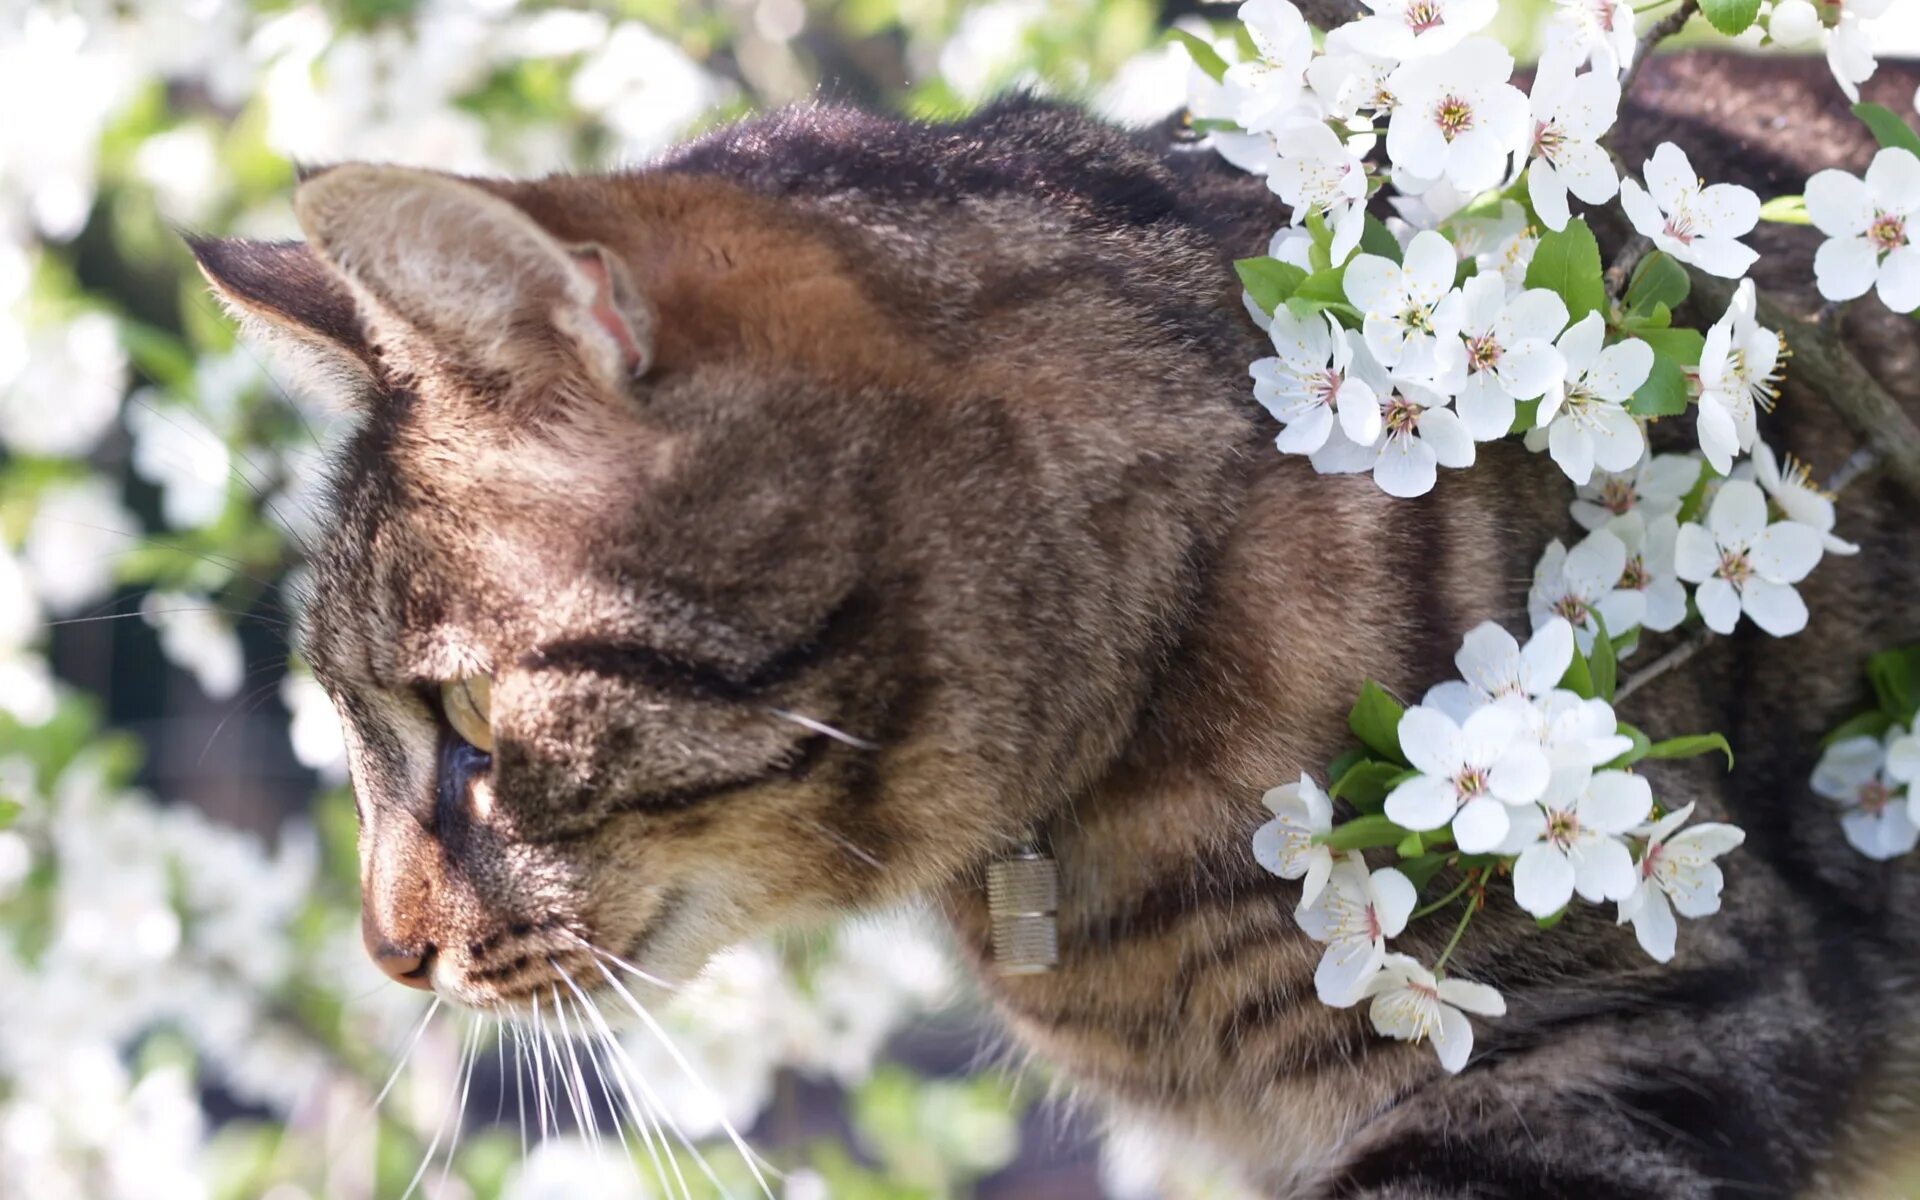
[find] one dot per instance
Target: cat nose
(403, 965)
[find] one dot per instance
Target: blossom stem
(1660, 31)
(1466, 919)
(1442, 902)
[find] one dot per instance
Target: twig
(1696, 642)
(1620, 271)
(1656, 33)
(1865, 459)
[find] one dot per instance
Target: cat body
(940, 439)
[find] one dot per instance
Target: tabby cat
(807, 520)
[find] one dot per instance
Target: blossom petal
(1786, 551)
(1774, 607)
(1646, 216)
(1393, 900)
(1431, 742)
(1542, 880)
(1881, 836)
(1486, 408)
(1900, 279)
(1620, 369)
(1845, 267)
(1453, 1039)
(1738, 514)
(1548, 654)
(1447, 434)
(1670, 177)
(1549, 195)
(1345, 969)
(1372, 283)
(1359, 410)
(1654, 927)
(1406, 467)
(1306, 432)
(1480, 826)
(1586, 170)
(1721, 256)
(1422, 803)
(1839, 204)
(1615, 802)
(1893, 180)
(1604, 870)
(1572, 449)
(1476, 998)
(1719, 605)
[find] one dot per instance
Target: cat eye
(468, 704)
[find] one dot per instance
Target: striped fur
(946, 440)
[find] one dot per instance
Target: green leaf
(1657, 280)
(1328, 287)
(1602, 666)
(1677, 345)
(1889, 128)
(1375, 720)
(1641, 744)
(1410, 846)
(1366, 785)
(1786, 210)
(1320, 253)
(1204, 56)
(1338, 768)
(1362, 833)
(1664, 394)
(1568, 262)
(10, 811)
(1866, 724)
(1549, 922)
(1213, 125)
(1692, 746)
(1375, 239)
(1526, 414)
(1731, 17)
(1420, 870)
(1579, 676)
(1268, 280)
(1895, 675)
(1695, 501)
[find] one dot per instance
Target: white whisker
(641, 1115)
(585, 1102)
(460, 1115)
(413, 1040)
(433, 1147)
(824, 729)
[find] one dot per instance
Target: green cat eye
(468, 704)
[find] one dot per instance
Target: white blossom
(1694, 223)
(1584, 416)
(1269, 86)
(1355, 915)
(1903, 766)
(1574, 839)
(1470, 772)
(1866, 222)
(1598, 30)
(1581, 583)
(1457, 117)
(1793, 492)
(1741, 563)
(1285, 844)
(1655, 487)
(1411, 1005)
(1677, 873)
(1350, 77)
(1310, 380)
(1318, 172)
(1412, 313)
(79, 535)
(196, 638)
(1421, 28)
(1650, 570)
(66, 389)
(1500, 243)
(1861, 776)
(1510, 353)
(1739, 366)
(1570, 115)
(1494, 666)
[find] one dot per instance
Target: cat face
(678, 588)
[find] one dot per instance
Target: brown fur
(945, 439)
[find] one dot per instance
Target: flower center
(1562, 829)
(1470, 783)
(1616, 495)
(1875, 796)
(1574, 608)
(1454, 116)
(1401, 417)
(1423, 15)
(1324, 387)
(1735, 567)
(1680, 227)
(1650, 863)
(1636, 577)
(1548, 137)
(1483, 352)
(1374, 929)
(1888, 232)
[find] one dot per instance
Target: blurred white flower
(1791, 490)
(567, 1168)
(1739, 366)
(1654, 488)
(1457, 117)
(1598, 30)
(984, 48)
(78, 535)
(196, 638)
(65, 393)
(1650, 570)
(1570, 115)
(60, 83)
(649, 92)
(1309, 382)
(1355, 914)
(1677, 873)
(1855, 773)
(1421, 28)
(1573, 840)
(1584, 415)
(174, 450)
(1285, 844)
(319, 743)
(182, 167)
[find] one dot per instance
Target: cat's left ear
(474, 278)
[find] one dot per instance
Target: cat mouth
(568, 964)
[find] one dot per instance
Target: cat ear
(283, 291)
(475, 277)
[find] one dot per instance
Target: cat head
(694, 571)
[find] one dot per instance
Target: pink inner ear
(606, 311)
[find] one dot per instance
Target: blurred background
(185, 1010)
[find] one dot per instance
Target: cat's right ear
(284, 293)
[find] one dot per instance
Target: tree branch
(1656, 33)
(1696, 642)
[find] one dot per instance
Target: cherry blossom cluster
(1870, 767)
(1517, 770)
